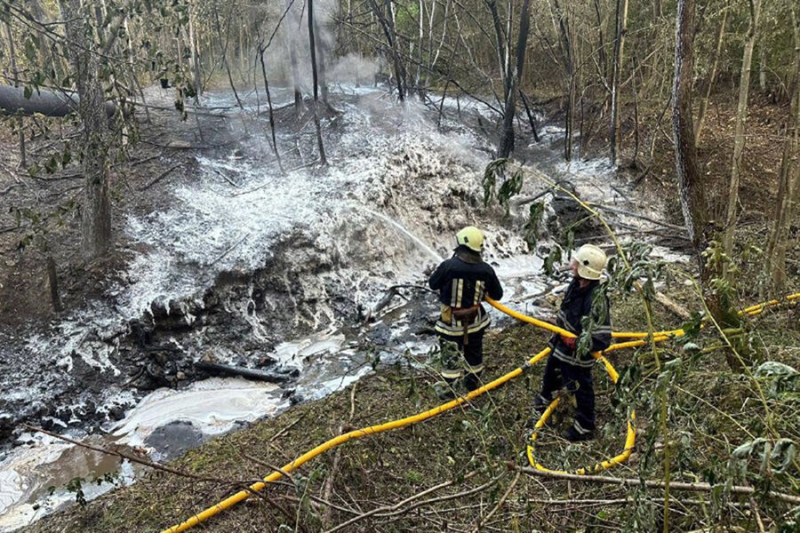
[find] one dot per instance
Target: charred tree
(298, 94)
(386, 21)
(312, 47)
(506, 145)
(274, 143)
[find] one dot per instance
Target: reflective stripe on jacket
(462, 282)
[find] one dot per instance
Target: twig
(265, 464)
(652, 484)
(754, 507)
(635, 215)
(226, 252)
(392, 509)
(500, 503)
(440, 499)
(225, 177)
(160, 177)
(145, 160)
(676, 309)
(287, 428)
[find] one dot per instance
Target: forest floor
(462, 471)
(465, 469)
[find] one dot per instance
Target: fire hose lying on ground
(640, 340)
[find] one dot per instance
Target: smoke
(353, 69)
(292, 39)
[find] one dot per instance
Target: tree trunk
(501, 45)
(298, 94)
(52, 281)
(197, 80)
(320, 62)
(619, 47)
(387, 24)
(741, 117)
(312, 47)
(568, 54)
(692, 195)
(701, 117)
(269, 104)
(788, 180)
(506, 145)
(601, 45)
(96, 212)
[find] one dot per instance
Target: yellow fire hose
(396, 424)
(341, 439)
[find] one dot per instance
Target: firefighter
(462, 282)
(570, 362)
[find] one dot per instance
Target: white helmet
(591, 261)
(471, 237)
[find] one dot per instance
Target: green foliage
(510, 187)
(552, 259)
(641, 268)
(41, 224)
(530, 232)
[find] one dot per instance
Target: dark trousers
(472, 354)
(578, 381)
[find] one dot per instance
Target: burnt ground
(41, 220)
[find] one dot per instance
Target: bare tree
(701, 116)
(741, 117)
(386, 19)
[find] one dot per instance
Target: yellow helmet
(471, 237)
(591, 261)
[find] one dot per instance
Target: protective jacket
(462, 282)
(577, 310)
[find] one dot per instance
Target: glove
(569, 342)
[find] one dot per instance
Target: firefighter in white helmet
(584, 312)
(462, 282)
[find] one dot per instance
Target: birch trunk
(619, 54)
